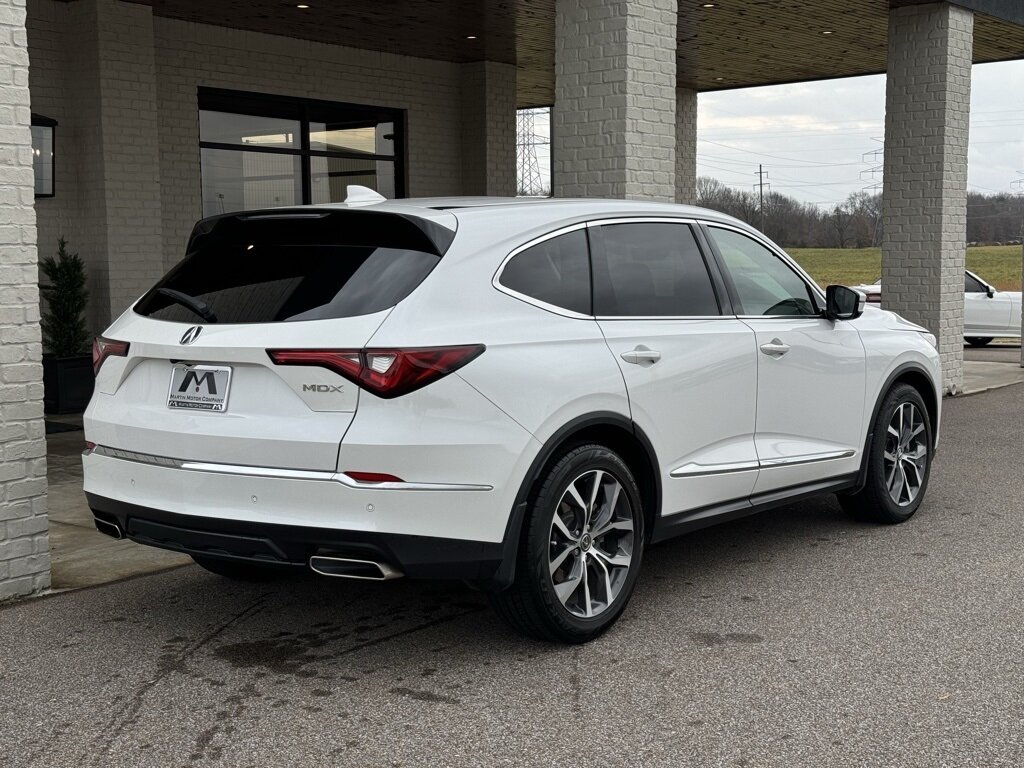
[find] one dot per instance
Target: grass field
(998, 265)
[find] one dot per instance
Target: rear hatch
(196, 381)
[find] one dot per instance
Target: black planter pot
(67, 383)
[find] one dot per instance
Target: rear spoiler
(380, 229)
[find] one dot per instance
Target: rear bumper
(426, 557)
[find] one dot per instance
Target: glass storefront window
(262, 152)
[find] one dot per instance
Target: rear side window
(650, 270)
(556, 272)
(280, 271)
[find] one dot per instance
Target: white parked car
(521, 394)
(988, 313)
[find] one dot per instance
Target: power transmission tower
(760, 185)
(875, 159)
(531, 183)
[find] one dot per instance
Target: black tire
(238, 570)
(531, 605)
(874, 501)
(979, 341)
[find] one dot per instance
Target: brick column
(924, 189)
(113, 99)
(488, 129)
(686, 146)
(24, 548)
(614, 118)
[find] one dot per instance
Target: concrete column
(24, 548)
(924, 189)
(614, 117)
(112, 93)
(686, 146)
(488, 129)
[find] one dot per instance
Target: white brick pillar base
(614, 117)
(488, 128)
(24, 548)
(686, 146)
(924, 188)
(112, 94)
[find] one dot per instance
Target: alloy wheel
(906, 454)
(591, 543)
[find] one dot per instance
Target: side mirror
(990, 291)
(842, 303)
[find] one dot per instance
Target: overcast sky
(819, 141)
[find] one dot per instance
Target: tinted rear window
(263, 271)
(555, 271)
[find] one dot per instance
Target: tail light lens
(103, 348)
(387, 373)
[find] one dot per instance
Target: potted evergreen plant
(67, 364)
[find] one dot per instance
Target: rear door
(197, 382)
(690, 370)
(811, 372)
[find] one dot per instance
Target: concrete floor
(991, 367)
(794, 638)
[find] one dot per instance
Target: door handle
(641, 355)
(775, 348)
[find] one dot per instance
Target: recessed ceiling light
(471, 37)
(828, 32)
(708, 5)
(303, 6)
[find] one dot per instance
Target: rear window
(280, 269)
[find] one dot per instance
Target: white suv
(520, 394)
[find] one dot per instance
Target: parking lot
(796, 638)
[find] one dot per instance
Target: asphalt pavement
(794, 638)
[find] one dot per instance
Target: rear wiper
(198, 306)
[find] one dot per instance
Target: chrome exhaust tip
(111, 529)
(349, 568)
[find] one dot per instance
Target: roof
(734, 44)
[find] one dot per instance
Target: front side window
(973, 284)
(555, 271)
(264, 152)
(763, 283)
(650, 269)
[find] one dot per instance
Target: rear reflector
(372, 477)
(103, 348)
(387, 373)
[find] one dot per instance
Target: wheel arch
(917, 376)
(612, 430)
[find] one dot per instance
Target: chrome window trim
(274, 472)
(707, 470)
(786, 259)
(496, 280)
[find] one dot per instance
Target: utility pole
(760, 191)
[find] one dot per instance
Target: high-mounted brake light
(103, 348)
(387, 373)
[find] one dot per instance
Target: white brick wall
(488, 128)
(614, 117)
(24, 548)
(191, 55)
(924, 190)
(686, 146)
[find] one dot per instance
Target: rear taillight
(103, 348)
(386, 373)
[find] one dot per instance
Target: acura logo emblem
(191, 334)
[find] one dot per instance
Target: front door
(810, 371)
(691, 373)
(985, 315)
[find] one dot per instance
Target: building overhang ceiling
(734, 44)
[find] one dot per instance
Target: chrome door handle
(641, 355)
(775, 348)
